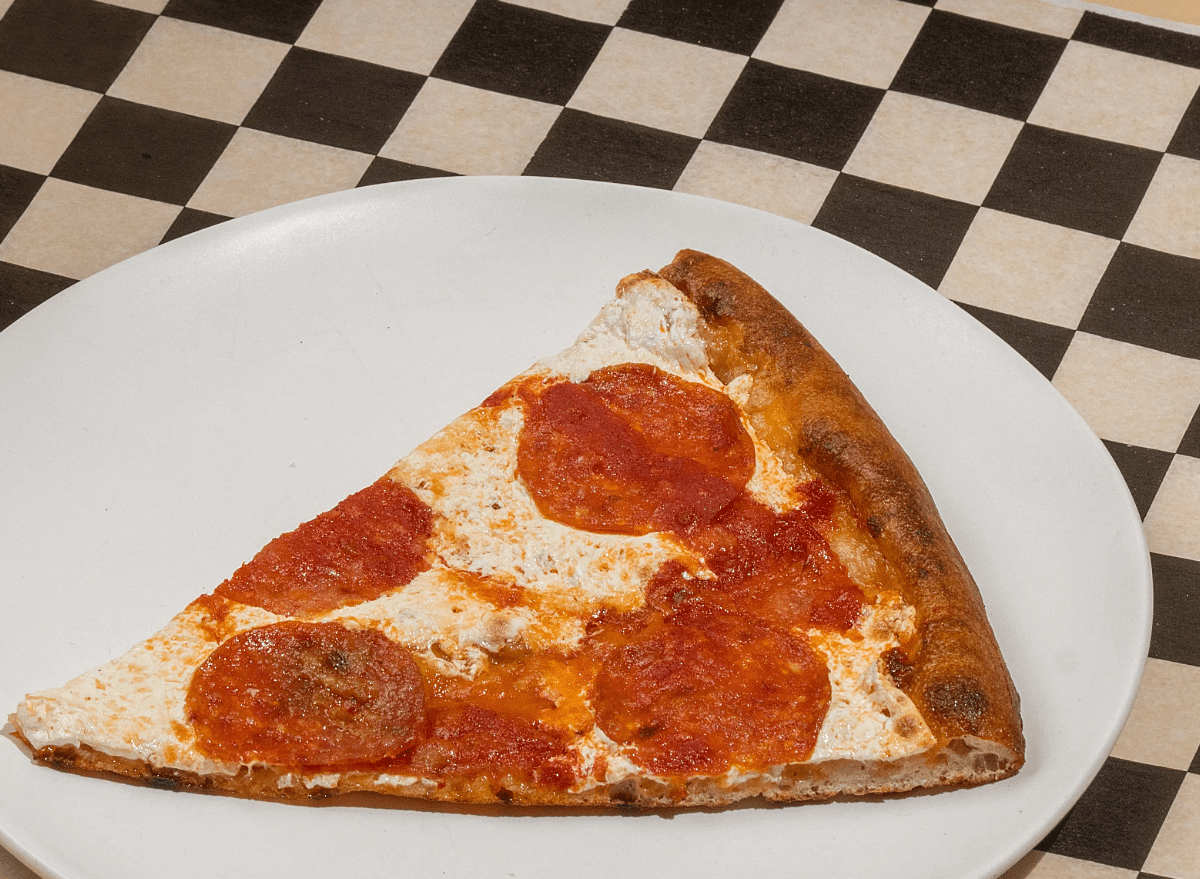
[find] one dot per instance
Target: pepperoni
(702, 690)
(372, 542)
(776, 566)
(469, 740)
(679, 418)
(603, 455)
(508, 722)
(306, 694)
(716, 671)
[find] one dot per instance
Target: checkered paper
(1037, 164)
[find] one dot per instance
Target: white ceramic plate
(166, 417)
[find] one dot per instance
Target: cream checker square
(1027, 268)
(1164, 726)
(598, 11)
(1176, 850)
(1167, 219)
(260, 170)
(862, 41)
(1031, 15)
(10, 867)
(75, 231)
(469, 131)
(407, 36)
(1129, 394)
(1116, 96)
(154, 6)
(945, 150)
(200, 70)
(1046, 865)
(770, 183)
(657, 82)
(40, 120)
(1173, 522)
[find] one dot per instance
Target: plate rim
(299, 211)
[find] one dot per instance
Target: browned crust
(805, 406)
(794, 783)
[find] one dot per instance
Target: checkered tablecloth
(1038, 164)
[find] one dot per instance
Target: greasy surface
(632, 450)
(806, 407)
(716, 671)
(699, 690)
(306, 694)
(372, 542)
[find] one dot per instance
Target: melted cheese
(488, 528)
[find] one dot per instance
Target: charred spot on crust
(875, 525)
(898, 667)
(504, 795)
(958, 699)
(824, 436)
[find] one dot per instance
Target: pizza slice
(680, 563)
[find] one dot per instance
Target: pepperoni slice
(306, 694)
(470, 740)
(632, 450)
(703, 690)
(372, 542)
(776, 566)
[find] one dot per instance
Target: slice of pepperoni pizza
(680, 563)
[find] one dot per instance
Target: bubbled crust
(806, 407)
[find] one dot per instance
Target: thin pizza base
(948, 717)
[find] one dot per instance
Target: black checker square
(918, 232)
(22, 290)
(81, 43)
(730, 25)
(1190, 444)
(1195, 767)
(1186, 140)
(383, 170)
(1148, 298)
(590, 147)
(1043, 345)
(1118, 817)
(523, 52)
(979, 64)
(191, 220)
(1072, 180)
(1143, 470)
(795, 114)
(143, 151)
(1176, 609)
(17, 189)
(337, 101)
(1138, 39)
(280, 20)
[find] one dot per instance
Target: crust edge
(966, 763)
(809, 408)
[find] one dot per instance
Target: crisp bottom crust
(963, 762)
